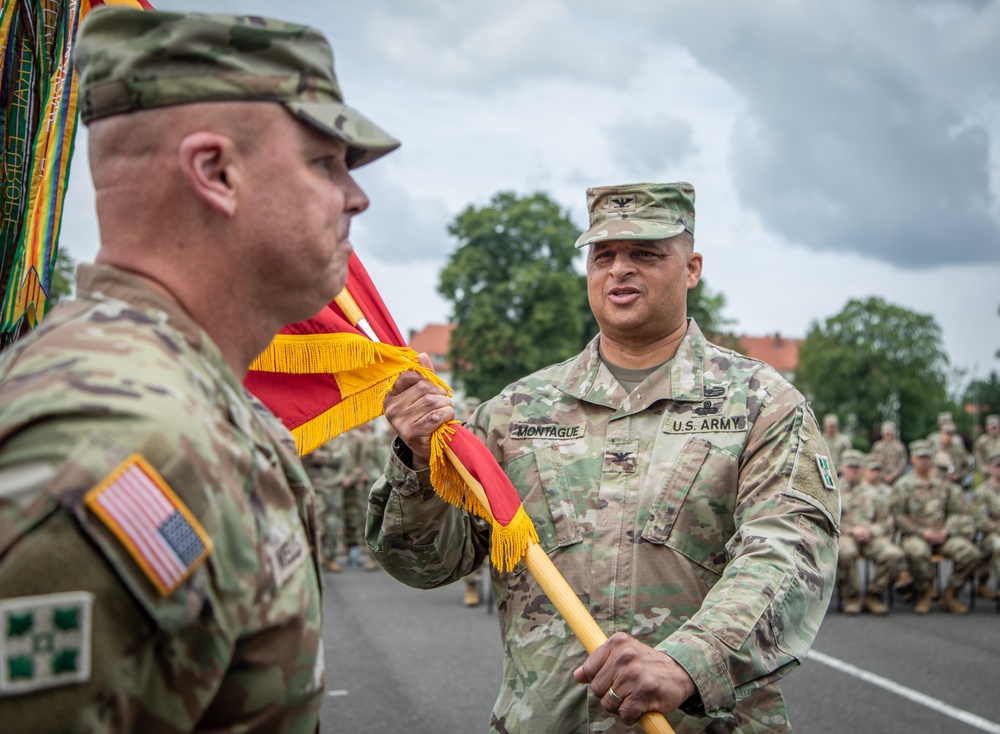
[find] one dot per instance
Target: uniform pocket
(693, 512)
(545, 494)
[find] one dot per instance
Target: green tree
(705, 307)
(876, 361)
(984, 396)
(63, 278)
(518, 302)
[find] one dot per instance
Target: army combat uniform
(986, 513)
(864, 504)
(892, 454)
(155, 529)
(324, 465)
(692, 514)
(919, 504)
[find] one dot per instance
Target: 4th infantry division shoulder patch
(157, 529)
(44, 641)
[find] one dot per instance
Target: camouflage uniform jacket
(986, 507)
(237, 645)
(865, 504)
(690, 514)
(959, 458)
(982, 448)
(919, 504)
(893, 456)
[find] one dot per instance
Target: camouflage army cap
(921, 447)
(130, 59)
(992, 420)
(638, 212)
(831, 419)
(873, 461)
(888, 427)
(851, 457)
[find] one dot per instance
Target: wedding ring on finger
(614, 696)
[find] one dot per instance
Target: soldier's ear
(207, 164)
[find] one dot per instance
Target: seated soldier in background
(865, 531)
(986, 511)
(951, 443)
(943, 418)
(986, 444)
(932, 517)
(891, 452)
(837, 442)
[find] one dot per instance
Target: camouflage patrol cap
(638, 212)
(831, 419)
(888, 427)
(921, 447)
(992, 420)
(944, 417)
(851, 457)
(130, 59)
(873, 461)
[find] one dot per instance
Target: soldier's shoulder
(729, 364)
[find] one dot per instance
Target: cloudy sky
(839, 150)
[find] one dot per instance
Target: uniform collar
(681, 379)
(107, 282)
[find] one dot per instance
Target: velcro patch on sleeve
(44, 641)
(826, 472)
(151, 522)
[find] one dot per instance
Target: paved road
(401, 660)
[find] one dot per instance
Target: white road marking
(965, 717)
(337, 692)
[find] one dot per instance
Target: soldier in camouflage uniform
(932, 517)
(891, 452)
(951, 443)
(986, 512)
(866, 532)
(324, 466)
(683, 490)
(987, 444)
(156, 524)
(837, 442)
(943, 418)
(364, 459)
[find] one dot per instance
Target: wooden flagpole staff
(566, 602)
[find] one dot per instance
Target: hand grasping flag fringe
(326, 375)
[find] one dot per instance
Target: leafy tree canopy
(518, 301)
(876, 361)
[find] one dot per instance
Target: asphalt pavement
(403, 660)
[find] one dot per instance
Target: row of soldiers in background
(342, 471)
(892, 453)
(899, 529)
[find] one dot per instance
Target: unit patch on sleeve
(826, 472)
(44, 641)
(153, 524)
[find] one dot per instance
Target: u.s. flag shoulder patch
(151, 522)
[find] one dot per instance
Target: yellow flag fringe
(343, 353)
(509, 542)
(309, 354)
